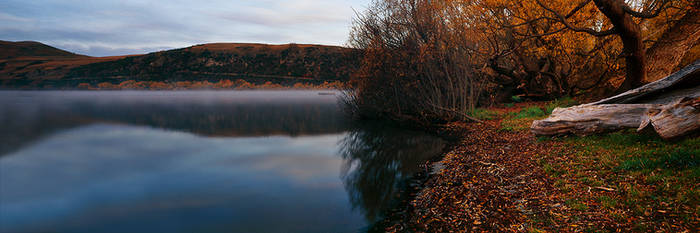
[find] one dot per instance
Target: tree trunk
(631, 36)
(666, 54)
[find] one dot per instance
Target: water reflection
(196, 162)
(26, 116)
(378, 161)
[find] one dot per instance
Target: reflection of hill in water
(379, 161)
(226, 119)
(27, 116)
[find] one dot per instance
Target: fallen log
(674, 120)
(589, 119)
(671, 105)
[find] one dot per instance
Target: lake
(197, 161)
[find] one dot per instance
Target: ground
(500, 177)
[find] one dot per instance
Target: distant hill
(32, 63)
(256, 63)
(10, 49)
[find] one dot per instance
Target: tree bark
(666, 54)
(631, 36)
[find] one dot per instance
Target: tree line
(437, 60)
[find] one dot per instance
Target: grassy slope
(36, 61)
(10, 49)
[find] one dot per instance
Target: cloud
(112, 27)
(12, 18)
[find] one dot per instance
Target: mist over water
(196, 161)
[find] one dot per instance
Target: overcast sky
(118, 27)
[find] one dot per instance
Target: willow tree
(417, 64)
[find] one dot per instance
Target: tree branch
(577, 8)
(566, 23)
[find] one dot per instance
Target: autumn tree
(439, 59)
(626, 23)
(673, 44)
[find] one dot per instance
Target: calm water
(196, 161)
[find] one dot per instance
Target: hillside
(255, 63)
(31, 63)
(10, 49)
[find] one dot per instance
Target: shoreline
(497, 176)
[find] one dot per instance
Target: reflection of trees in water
(228, 119)
(378, 163)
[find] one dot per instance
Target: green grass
(678, 158)
(643, 169)
(577, 205)
(483, 114)
(607, 202)
(559, 103)
(516, 99)
(530, 112)
(522, 119)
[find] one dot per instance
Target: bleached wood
(674, 120)
(589, 119)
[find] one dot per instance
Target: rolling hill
(10, 49)
(34, 65)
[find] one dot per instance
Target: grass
(678, 158)
(607, 202)
(516, 99)
(484, 114)
(577, 205)
(559, 103)
(646, 174)
(522, 119)
(530, 112)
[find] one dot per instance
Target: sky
(120, 27)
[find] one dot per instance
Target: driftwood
(671, 105)
(583, 120)
(674, 120)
